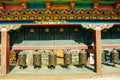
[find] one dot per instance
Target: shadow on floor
(12, 67)
(88, 67)
(107, 64)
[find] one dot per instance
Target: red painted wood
(12, 7)
(106, 7)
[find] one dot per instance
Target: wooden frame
(96, 48)
(110, 46)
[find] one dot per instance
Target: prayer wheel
(82, 58)
(67, 58)
(114, 57)
(22, 60)
(119, 55)
(37, 62)
(52, 60)
(103, 56)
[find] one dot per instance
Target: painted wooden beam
(10, 26)
(60, 6)
(93, 26)
(109, 46)
(50, 47)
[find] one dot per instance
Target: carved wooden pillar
(97, 43)
(97, 49)
(4, 52)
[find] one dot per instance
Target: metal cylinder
(67, 58)
(37, 62)
(82, 57)
(52, 60)
(114, 56)
(22, 60)
(119, 55)
(103, 56)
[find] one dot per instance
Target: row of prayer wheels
(114, 57)
(52, 59)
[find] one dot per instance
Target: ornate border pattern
(9, 27)
(58, 15)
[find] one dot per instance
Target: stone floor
(57, 70)
(63, 70)
(60, 73)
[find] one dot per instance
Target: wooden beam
(108, 46)
(4, 52)
(97, 49)
(111, 46)
(60, 6)
(50, 47)
(51, 25)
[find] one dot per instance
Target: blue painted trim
(64, 22)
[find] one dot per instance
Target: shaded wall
(51, 36)
(111, 36)
(61, 36)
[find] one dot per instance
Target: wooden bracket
(48, 5)
(24, 5)
(1, 6)
(98, 6)
(118, 5)
(72, 4)
(95, 5)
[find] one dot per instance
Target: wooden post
(4, 52)
(88, 59)
(97, 47)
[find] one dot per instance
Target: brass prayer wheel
(119, 55)
(103, 56)
(22, 60)
(67, 58)
(82, 58)
(52, 60)
(114, 57)
(37, 62)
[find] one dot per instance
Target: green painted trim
(61, 2)
(84, 5)
(106, 2)
(36, 2)
(11, 3)
(55, 0)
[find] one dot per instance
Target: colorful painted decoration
(47, 30)
(76, 29)
(32, 30)
(118, 29)
(61, 30)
